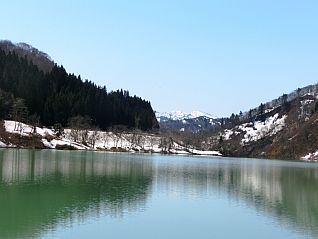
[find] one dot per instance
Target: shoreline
(28, 137)
(115, 151)
(20, 135)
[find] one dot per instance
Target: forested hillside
(285, 128)
(54, 97)
(39, 58)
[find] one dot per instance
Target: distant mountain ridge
(180, 115)
(194, 121)
(310, 90)
(284, 128)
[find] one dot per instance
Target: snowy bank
(311, 157)
(100, 140)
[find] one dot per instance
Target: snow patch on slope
(2, 145)
(270, 127)
(306, 102)
(258, 130)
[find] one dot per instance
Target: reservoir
(83, 194)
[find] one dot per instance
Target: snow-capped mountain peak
(179, 115)
(197, 114)
(194, 121)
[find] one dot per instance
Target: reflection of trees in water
(286, 191)
(41, 189)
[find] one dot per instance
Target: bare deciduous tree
(118, 131)
(79, 128)
(93, 137)
(105, 138)
(19, 114)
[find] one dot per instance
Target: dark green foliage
(57, 96)
(19, 111)
(261, 109)
(261, 112)
(316, 106)
(6, 103)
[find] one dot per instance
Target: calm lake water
(61, 194)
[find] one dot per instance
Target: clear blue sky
(216, 56)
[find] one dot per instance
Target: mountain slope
(195, 121)
(37, 57)
(285, 128)
(29, 94)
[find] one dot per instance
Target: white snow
(228, 133)
(311, 156)
(314, 94)
(197, 114)
(212, 122)
(270, 110)
(2, 145)
(200, 152)
(99, 140)
(24, 129)
(179, 115)
(62, 142)
(305, 111)
(258, 130)
(306, 102)
(270, 127)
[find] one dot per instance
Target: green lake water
(69, 194)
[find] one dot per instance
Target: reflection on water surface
(43, 191)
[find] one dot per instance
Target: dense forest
(54, 97)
